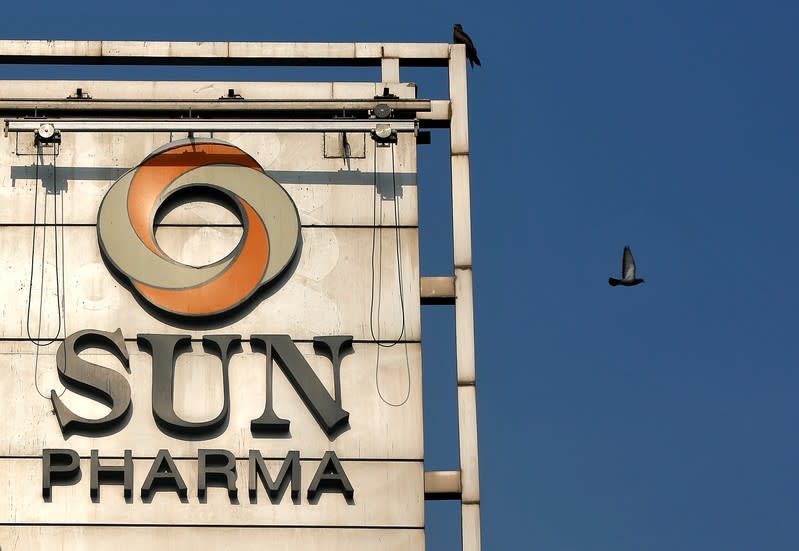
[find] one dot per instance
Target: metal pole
(464, 306)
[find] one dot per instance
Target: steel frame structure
(451, 113)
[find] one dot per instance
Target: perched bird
(460, 37)
(628, 278)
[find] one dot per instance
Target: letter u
(165, 350)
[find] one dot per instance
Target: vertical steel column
(389, 70)
(464, 305)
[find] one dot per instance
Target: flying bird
(628, 278)
(460, 37)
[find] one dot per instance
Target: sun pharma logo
(125, 227)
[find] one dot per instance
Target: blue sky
(658, 417)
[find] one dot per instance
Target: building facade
(212, 318)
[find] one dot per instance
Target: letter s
(93, 381)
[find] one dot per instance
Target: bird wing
(462, 38)
(469, 43)
(628, 264)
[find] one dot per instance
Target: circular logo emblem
(127, 215)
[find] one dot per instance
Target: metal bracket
(383, 134)
(80, 94)
(231, 94)
(46, 134)
(387, 94)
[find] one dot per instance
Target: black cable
(38, 342)
(407, 374)
(61, 194)
(33, 242)
(398, 243)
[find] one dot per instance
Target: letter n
(325, 408)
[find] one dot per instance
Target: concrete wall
(346, 274)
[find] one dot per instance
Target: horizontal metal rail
(212, 125)
(115, 52)
(220, 105)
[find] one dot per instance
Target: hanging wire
(376, 205)
(60, 297)
(407, 375)
(61, 194)
(398, 243)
